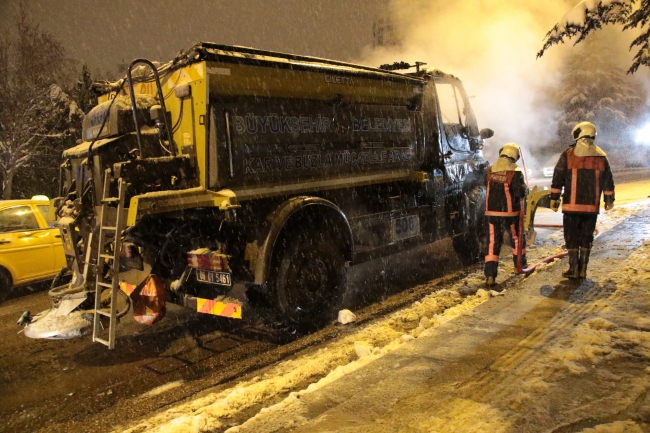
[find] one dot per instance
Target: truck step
(103, 313)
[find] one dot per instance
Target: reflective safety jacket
(505, 188)
(583, 179)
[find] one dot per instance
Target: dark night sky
(105, 33)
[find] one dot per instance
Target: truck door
(459, 132)
(433, 164)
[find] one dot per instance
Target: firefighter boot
(573, 271)
(490, 282)
(524, 261)
(584, 260)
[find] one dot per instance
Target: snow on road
(318, 368)
(611, 330)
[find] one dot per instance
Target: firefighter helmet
(511, 150)
(584, 129)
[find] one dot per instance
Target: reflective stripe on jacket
(504, 191)
(583, 178)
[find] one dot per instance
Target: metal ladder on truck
(112, 258)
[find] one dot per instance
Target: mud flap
(148, 300)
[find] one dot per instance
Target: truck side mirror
(485, 133)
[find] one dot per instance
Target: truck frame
(246, 179)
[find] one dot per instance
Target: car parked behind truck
(30, 243)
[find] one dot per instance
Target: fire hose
(520, 269)
(519, 247)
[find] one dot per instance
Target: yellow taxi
(30, 243)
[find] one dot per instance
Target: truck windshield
(452, 106)
(454, 115)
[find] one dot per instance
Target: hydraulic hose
(58, 293)
(548, 259)
(522, 203)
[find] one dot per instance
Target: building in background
(384, 33)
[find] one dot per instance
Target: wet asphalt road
(75, 385)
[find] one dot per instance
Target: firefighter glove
(609, 206)
(555, 205)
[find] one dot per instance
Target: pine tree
(591, 15)
(83, 93)
(595, 88)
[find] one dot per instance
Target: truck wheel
(310, 279)
(470, 246)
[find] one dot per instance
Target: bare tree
(36, 113)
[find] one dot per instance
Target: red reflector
(129, 250)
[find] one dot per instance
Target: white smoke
(491, 46)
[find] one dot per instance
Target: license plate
(405, 227)
(212, 277)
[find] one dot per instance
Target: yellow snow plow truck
(232, 179)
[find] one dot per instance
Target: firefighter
(506, 188)
(583, 171)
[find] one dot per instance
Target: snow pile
(49, 324)
(610, 218)
(363, 348)
(346, 316)
(615, 427)
(476, 418)
(619, 324)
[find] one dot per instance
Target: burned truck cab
(453, 161)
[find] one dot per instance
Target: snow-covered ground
(610, 330)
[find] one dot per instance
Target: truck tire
(470, 246)
(310, 279)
